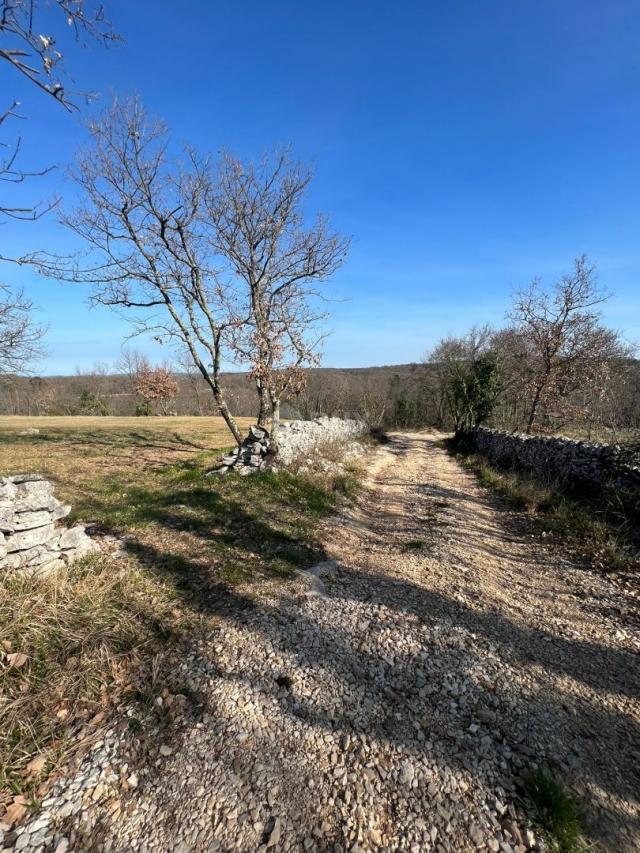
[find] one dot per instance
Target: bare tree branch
(259, 233)
(33, 53)
(20, 337)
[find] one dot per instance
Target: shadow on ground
(599, 746)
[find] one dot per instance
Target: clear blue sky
(466, 146)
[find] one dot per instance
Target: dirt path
(388, 700)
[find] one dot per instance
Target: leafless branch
(259, 234)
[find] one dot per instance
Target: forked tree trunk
(275, 424)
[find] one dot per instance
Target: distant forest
(395, 396)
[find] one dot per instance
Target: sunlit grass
(193, 547)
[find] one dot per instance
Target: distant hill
(330, 390)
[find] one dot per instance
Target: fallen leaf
(7, 645)
(17, 659)
(14, 813)
(36, 765)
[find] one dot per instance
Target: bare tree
(262, 240)
(148, 244)
(567, 345)
(20, 337)
(129, 364)
(30, 48)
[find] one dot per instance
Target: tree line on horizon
(554, 368)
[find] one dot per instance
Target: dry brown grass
(194, 548)
(76, 452)
(212, 428)
(69, 646)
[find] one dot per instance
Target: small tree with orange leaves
(156, 386)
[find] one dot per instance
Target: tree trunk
(263, 411)
(534, 409)
(226, 414)
(275, 424)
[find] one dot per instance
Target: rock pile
(296, 439)
(251, 456)
(29, 539)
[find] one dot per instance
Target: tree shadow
(460, 658)
(591, 743)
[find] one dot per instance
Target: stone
(296, 439)
(15, 560)
(275, 833)
(29, 538)
(60, 510)
(6, 519)
(576, 462)
(476, 835)
(258, 432)
(7, 490)
(406, 774)
(77, 539)
(33, 495)
(485, 715)
(31, 519)
(22, 841)
(43, 569)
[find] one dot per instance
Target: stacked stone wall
(30, 539)
(565, 459)
(296, 439)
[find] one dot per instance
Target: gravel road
(388, 699)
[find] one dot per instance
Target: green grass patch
(597, 526)
(553, 810)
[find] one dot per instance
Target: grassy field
(80, 453)
(190, 425)
(194, 548)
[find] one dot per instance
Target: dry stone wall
(296, 439)
(30, 541)
(571, 461)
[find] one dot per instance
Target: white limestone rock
(31, 519)
(29, 538)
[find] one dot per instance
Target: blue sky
(466, 146)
